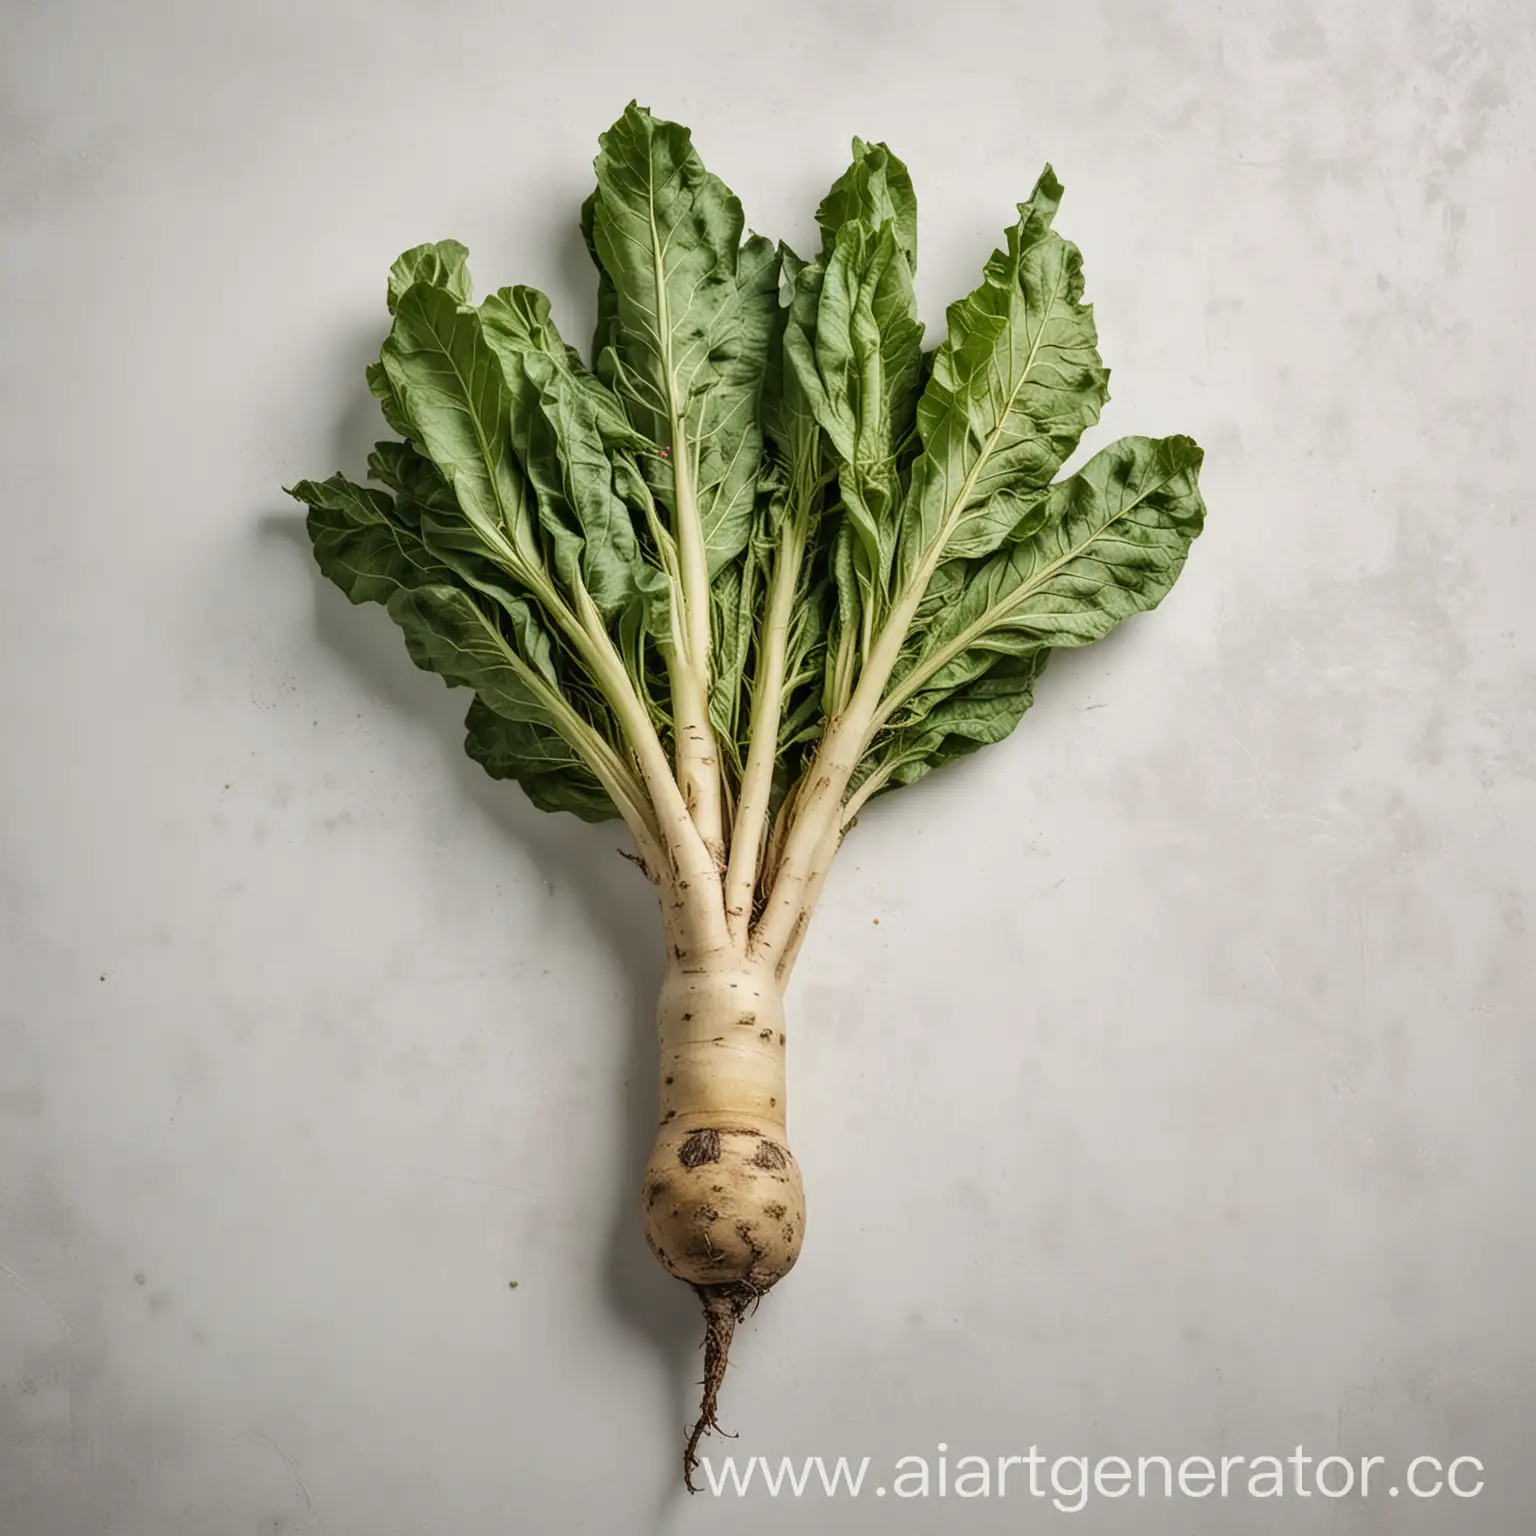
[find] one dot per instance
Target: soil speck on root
(699, 1147)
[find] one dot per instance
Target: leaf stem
(698, 754)
(848, 734)
(611, 771)
(821, 867)
(767, 706)
(871, 785)
(685, 865)
(691, 868)
(785, 913)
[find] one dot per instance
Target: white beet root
(722, 1199)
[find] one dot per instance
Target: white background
(1160, 1077)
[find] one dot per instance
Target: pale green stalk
(698, 755)
(691, 866)
(788, 908)
(767, 705)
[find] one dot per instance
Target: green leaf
(734, 598)
(726, 427)
(980, 714)
(382, 391)
(1007, 516)
(362, 546)
(605, 332)
(517, 320)
(566, 429)
(442, 264)
(1013, 388)
(417, 484)
(447, 632)
(361, 542)
(550, 771)
(845, 632)
(788, 420)
(638, 644)
(860, 379)
(449, 386)
(1113, 540)
(805, 663)
(667, 233)
(693, 313)
(876, 188)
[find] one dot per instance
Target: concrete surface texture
(1160, 1077)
